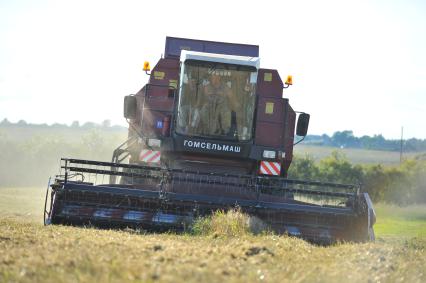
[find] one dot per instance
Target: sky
(356, 65)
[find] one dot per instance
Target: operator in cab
(215, 114)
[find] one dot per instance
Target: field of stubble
(30, 252)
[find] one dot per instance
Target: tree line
(105, 124)
(398, 184)
(346, 139)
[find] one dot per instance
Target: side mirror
(302, 124)
(130, 107)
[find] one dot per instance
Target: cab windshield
(217, 100)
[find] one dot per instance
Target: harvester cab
(208, 106)
(209, 131)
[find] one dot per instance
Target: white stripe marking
(271, 168)
(262, 169)
(150, 154)
(264, 165)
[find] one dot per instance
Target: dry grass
(30, 252)
(33, 253)
(231, 223)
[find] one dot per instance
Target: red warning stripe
(155, 156)
(276, 167)
(150, 156)
(270, 168)
(144, 154)
(265, 169)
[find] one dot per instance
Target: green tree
(337, 168)
(303, 168)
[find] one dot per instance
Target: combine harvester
(209, 131)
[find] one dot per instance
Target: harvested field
(30, 252)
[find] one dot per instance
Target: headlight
(269, 154)
(154, 142)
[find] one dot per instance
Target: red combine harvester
(209, 131)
